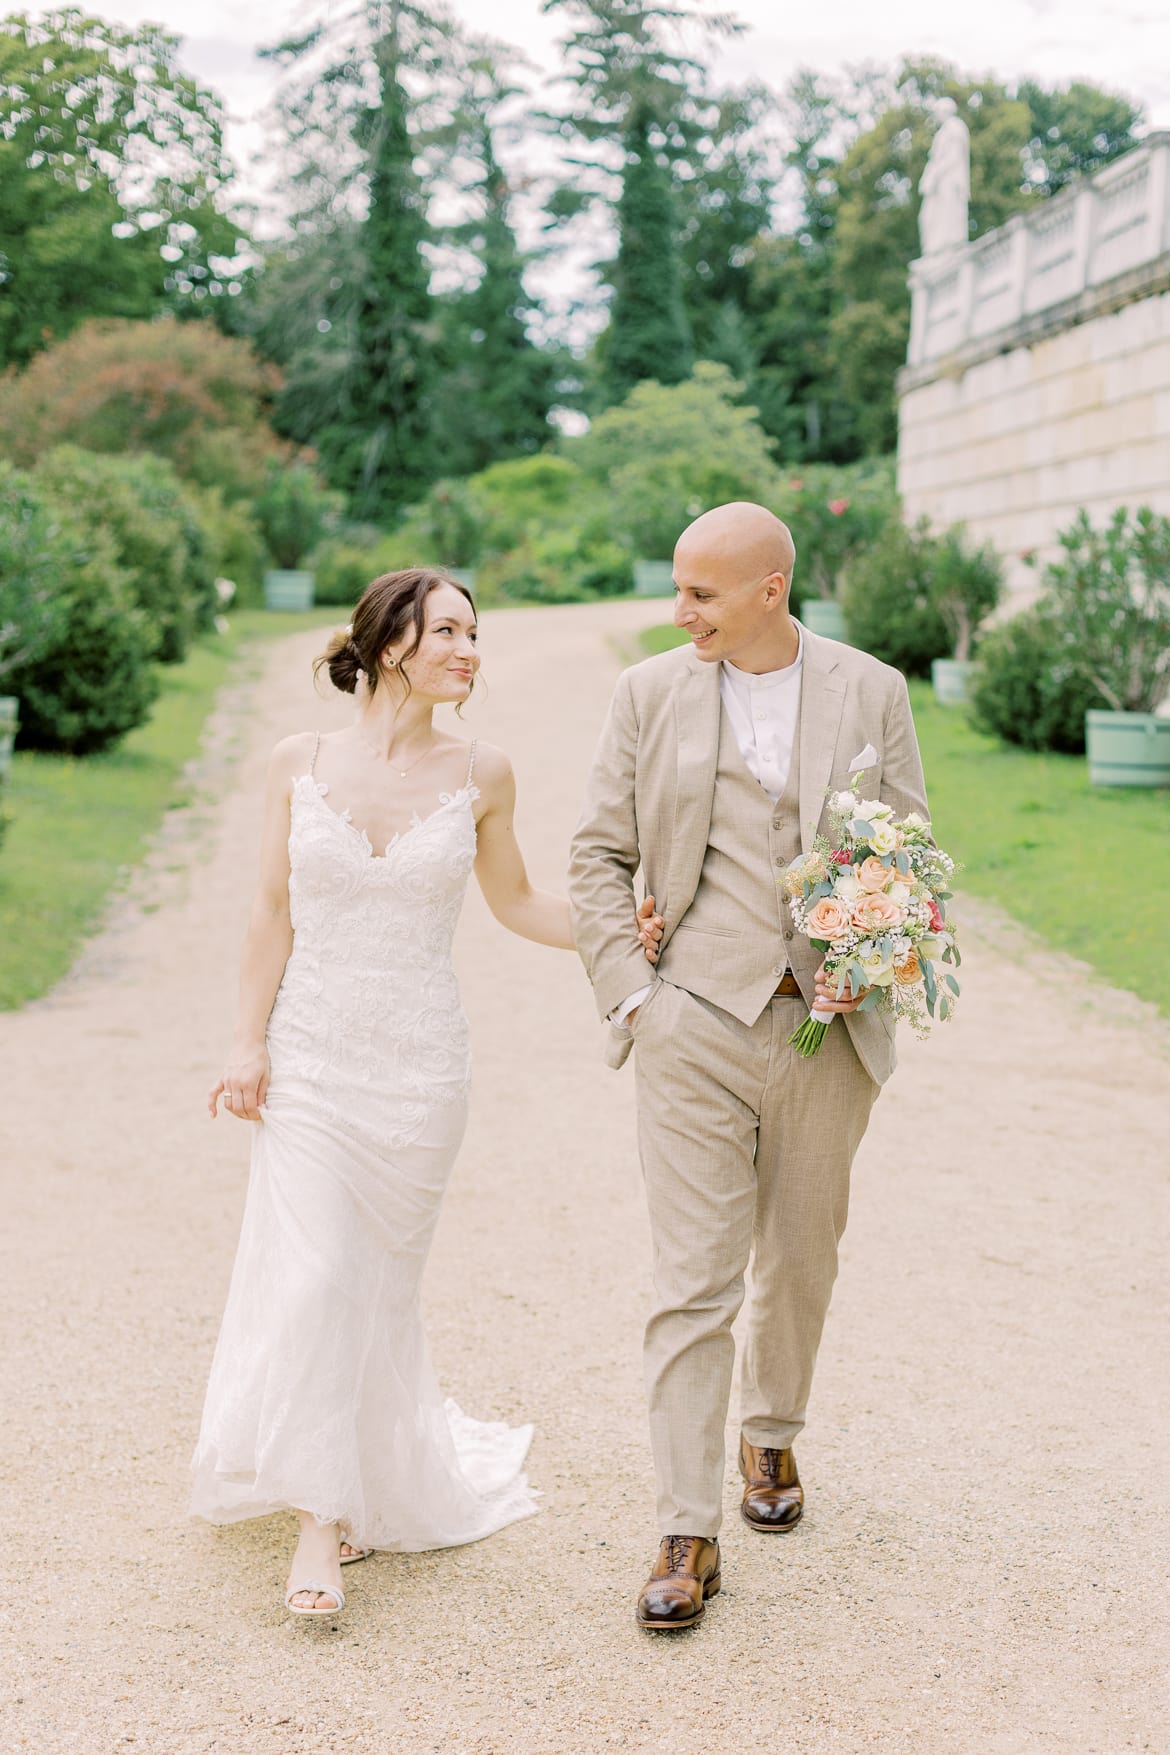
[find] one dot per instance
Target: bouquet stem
(808, 1039)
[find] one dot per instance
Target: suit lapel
(697, 709)
(822, 700)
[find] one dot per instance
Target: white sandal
(329, 1590)
(358, 1553)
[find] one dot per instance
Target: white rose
(899, 893)
(843, 803)
(929, 949)
(879, 970)
(915, 821)
(884, 838)
(872, 810)
(847, 887)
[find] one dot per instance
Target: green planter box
(950, 678)
(9, 724)
(654, 578)
(288, 588)
(1127, 749)
(821, 616)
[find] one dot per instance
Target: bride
(351, 1052)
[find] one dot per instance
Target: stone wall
(1040, 370)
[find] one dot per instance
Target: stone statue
(946, 184)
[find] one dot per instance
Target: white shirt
(762, 712)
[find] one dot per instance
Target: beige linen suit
(746, 1149)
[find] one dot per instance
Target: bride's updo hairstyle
(389, 607)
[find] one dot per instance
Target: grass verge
(1035, 838)
(78, 824)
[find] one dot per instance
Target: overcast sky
(1119, 43)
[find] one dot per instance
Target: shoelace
(676, 1552)
(769, 1464)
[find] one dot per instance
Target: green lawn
(78, 824)
(1034, 837)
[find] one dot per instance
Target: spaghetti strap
(470, 764)
(316, 747)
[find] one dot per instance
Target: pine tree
(384, 451)
(497, 384)
(648, 336)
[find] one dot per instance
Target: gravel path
(983, 1564)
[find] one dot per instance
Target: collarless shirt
(763, 713)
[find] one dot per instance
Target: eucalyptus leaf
(871, 1001)
(951, 983)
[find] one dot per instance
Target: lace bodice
(369, 991)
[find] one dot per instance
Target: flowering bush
(1110, 591)
(834, 513)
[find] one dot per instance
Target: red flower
(936, 920)
(837, 507)
(842, 858)
(796, 483)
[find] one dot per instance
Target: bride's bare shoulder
(493, 769)
(292, 756)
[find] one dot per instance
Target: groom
(712, 774)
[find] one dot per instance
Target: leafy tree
(1075, 130)
(112, 179)
(180, 390)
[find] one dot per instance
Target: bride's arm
(499, 863)
(243, 1084)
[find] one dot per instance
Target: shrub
(294, 512)
(835, 513)
(235, 543)
(179, 390)
(344, 566)
(965, 587)
(560, 568)
(889, 602)
(1027, 686)
(528, 494)
(158, 538)
(34, 553)
(85, 677)
(1111, 591)
(668, 453)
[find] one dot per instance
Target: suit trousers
(746, 1151)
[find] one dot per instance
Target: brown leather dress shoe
(675, 1594)
(773, 1498)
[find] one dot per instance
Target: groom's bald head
(741, 540)
(732, 570)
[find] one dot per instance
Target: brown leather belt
(789, 987)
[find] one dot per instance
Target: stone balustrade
(1032, 271)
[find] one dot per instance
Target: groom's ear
(776, 589)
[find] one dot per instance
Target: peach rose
(876, 915)
(908, 973)
(829, 919)
(872, 875)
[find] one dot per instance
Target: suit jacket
(649, 796)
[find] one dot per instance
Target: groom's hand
(649, 927)
(827, 1000)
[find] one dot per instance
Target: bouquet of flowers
(872, 896)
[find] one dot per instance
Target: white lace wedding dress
(322, 1394)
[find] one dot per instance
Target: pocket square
(864, 759)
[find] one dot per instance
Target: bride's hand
(243, 1085)
(649, 927)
